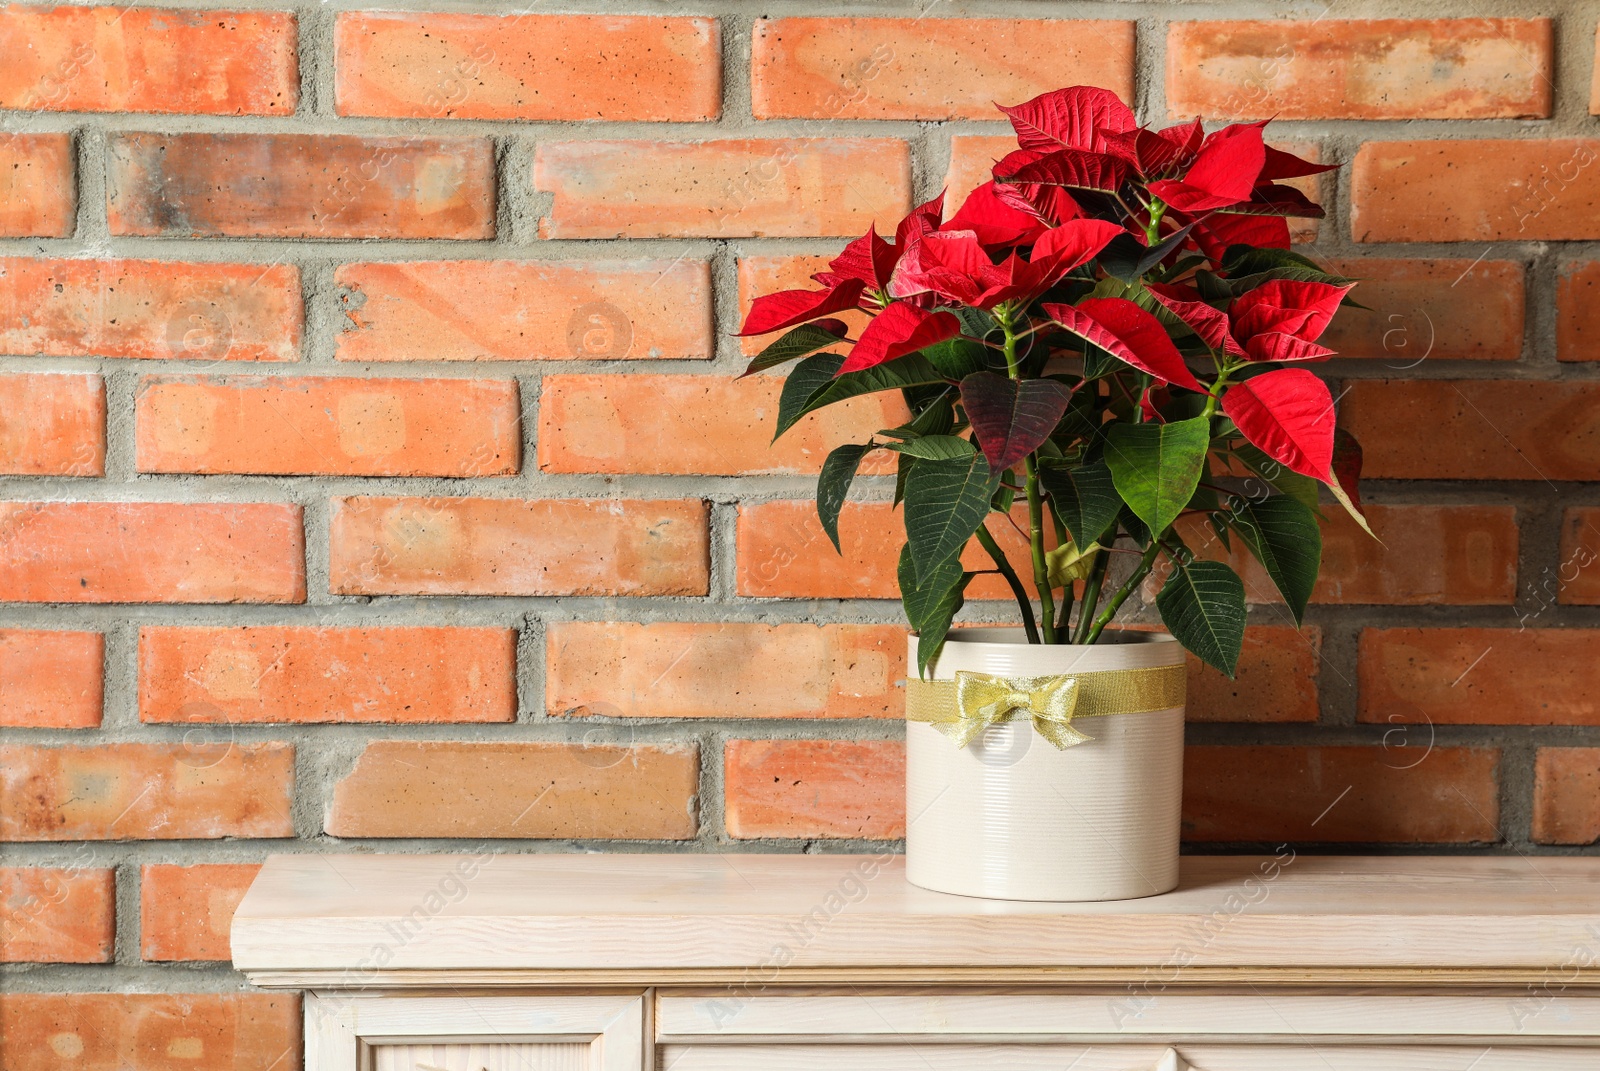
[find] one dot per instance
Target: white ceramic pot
(1010, 817)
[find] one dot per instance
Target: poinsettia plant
(1111, 330)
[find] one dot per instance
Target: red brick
(50, 680)
(843, 68)
(38, 186)
(759, 276)
(514, 310)
(783, 553)
(1594, 84)
(1519, 190)
(207, 787)
(1423, 555)
(277, 674)
(1341, 795)
(52, 424)
(149, 1031)
(1361, 69)
(536, 67)
(57, 914)
(725, 670)
(151, 552)
(815, 788)
(1276, 679)
(1576, 580)
(1480, 676)
(697, 425)
(153, 309)
(1578, 312)
(300, 186)
(328, 426)
(1440, 310)
(1475, 429)
(508, 546)
(1566, 795)
(130, 59)
(518, 790)
(185, 911)
(722, 189)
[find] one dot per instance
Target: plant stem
(1003, 564)
(1146, 563)
(1091, 595)
(1041, 570)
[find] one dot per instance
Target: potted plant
(1102, 347)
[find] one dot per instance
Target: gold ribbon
(963, 708)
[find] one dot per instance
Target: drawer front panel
(475, 1056)
(935, 1056)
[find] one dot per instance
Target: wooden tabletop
(360, 916)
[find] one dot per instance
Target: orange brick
(52, 424)
(1576, 580)
(843, 68)
(521, 790)
(513, 310)
(783, 553)
(152, 309)
(1566, 795)
(149, 1031)
(1594, 85)
(722, 189)
(1423, 555)
(697, 425)
(300, 186)
(1475, 429)
(329, 426)
(185, 911)
(130, 59)
(199, 789)
(972, 160)
(1276, 679)
(1361, 69)
(759, 276)
(537, 67)
(151, 552)
(1480, 676)
(57, 914)
(275, 674)
(725, 670)
(1476, 190)
(507, 546)
(38, 186)
(1578, 312)
(815, 788)
(1341, 795)
(1439, 310)
(51, 680)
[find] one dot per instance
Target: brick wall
(376, 478)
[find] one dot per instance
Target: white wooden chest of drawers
(834, 963)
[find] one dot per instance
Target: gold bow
(983, 700)
(964, 707)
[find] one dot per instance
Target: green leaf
(908, 371)
(936, 447)
(1248, 259)
(803, 341)
(1202, 605)
(1284, 536)
(833, 486)
(959, 357)
(1084, 497)
(805, 379)
(1279, 477)
(1156, 467)
(931, 602)
(945, 503)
